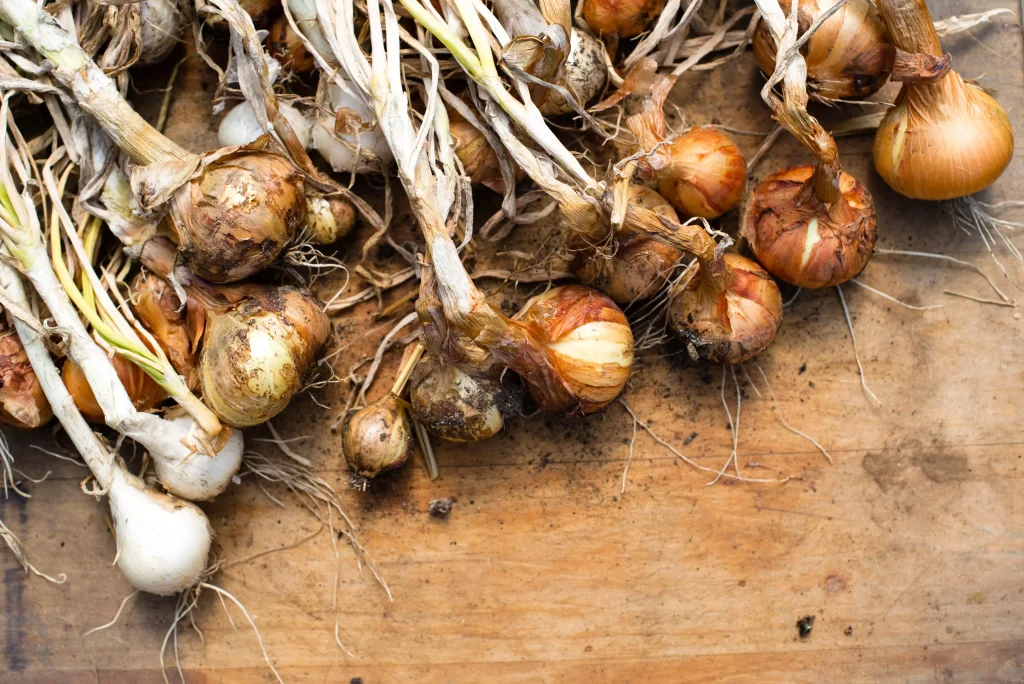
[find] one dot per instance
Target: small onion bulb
(377, 438)
(733, 325)
(240, 126)
(258, 352)
(162, 24)
(328, 219)
(639, 266)
(704, 173)
(584, 73)
(802, 240)
(353, 149)
(622, 18)
(478, 158)
(848, 57)
(22, 402)
(462, 404)
(143, 390)
(589, 345)
(286, 47)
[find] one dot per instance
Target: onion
(377, 438)
(733, 324)
(944, 139)
(240, 126)
(584, 73)
(157, 306)
(478, 158)
(588, 343)
(463, 404)
(848, 57)
(622, 18)
(257, 353)
(352, 141)
(22, 401)
(162, 27)
(305, 16)
(196, 476)
(144, 392)
(286, 47)
(328, 219)
(639, 265)
(701, 172)
(807, 242)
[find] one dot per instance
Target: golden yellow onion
(144, 392)
(639, 265)
(848, 57)
(804, 241)
(286, 47)
(22, 402)
(704, 173)
(462, 404)
(622, 18)
(257, 354)
(731, 325)
(377, 438)
(478, 158)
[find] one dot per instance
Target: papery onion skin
(705, 175)
(639, 265)
(943, 140)
(584, 74)
(256, 355)
(461, 404)
(377, 438)
(260, 11)
(286, 47)
(22, 402)
(479, 160)
(241, 127)
(849, 57)
(143, 390)
(360, 146)
(622, 18)
(157, 306)
(731, 326)
(238, 213)
(801, 240)
(588, 345)
(328, 219)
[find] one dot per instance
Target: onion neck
(910, 26)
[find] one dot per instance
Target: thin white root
(629, 460)
(734, 427)
(282, 444)
(778, 412)
(227, 595)
(980, 300)
(14, 544)
(427, 449)
(856, 354)
(892, 299)
(945, 257)
(117, 615)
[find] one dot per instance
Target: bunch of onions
(639, 265)
(848, 57)
(284, 45)
(162, 23)
(22, 401)
(944, 138)
(377, 438)
(621, 18)
(351, 140)
(701, 172)
(812, 226)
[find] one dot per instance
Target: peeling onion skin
(584, 73)
(157, 306)
(143, 390)
(942, 141)
(622, 18)
(257, 354)
(377, 438)
(732, 326)
(22, 402)
(587, 348)
(849, 57)
(461, 404)
(639, 266)
(284, 45)
(238, 213)
(799, 239)
(706, 173)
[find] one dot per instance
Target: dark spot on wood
(804, 626)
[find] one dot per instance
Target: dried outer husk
(804, 241)
(584, 74)
(233, 211)
(142, 389)
(621, 18)
(377, 439)
(729, 325)
(258, 351)
(155, 303)
(22, 401)
(461, 403)
(287, 47)
(478, 158)
(849, 57)
(634, 266)
(260, 11)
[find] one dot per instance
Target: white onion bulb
(240, 127)
(304, 14)
(350, 152)
(584, 71)
(161, 30)
(196, 476)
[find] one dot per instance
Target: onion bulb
(238, 212)
(305, 16)
(460, 403)
(701, 172)
(728, 325)
(377, 438)
(286, 47)
(196, 476)
(142, 389)
(240, 126)
(622, 18)
(351, 141)
(157, 306)
(639, 265)
(162, 25)
(22, 402)
(328, 219)
(803, 240)
(478, 158)
(848, 57)
(589, 346)
(257, 353)
(583, 74)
